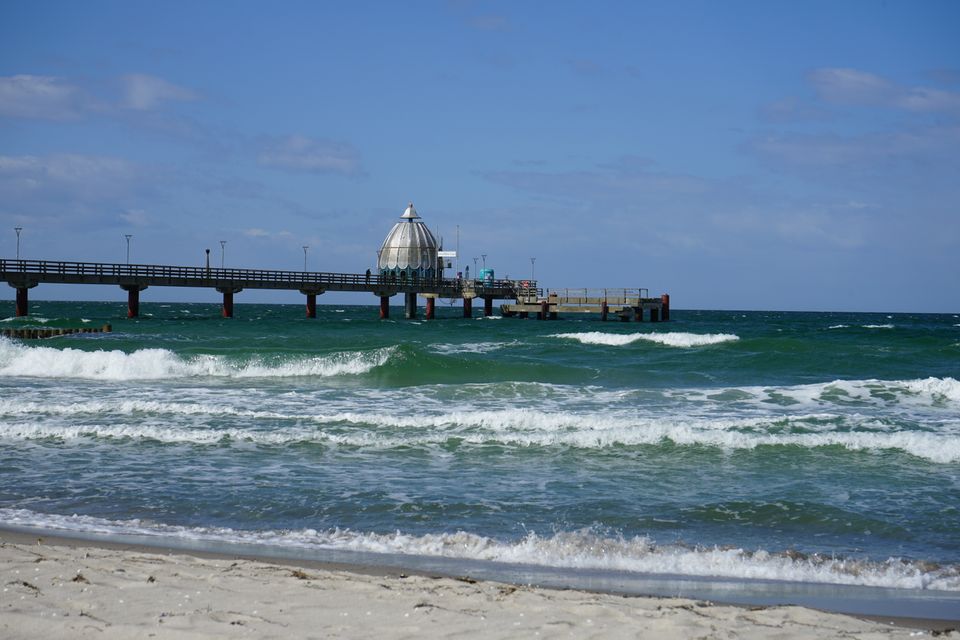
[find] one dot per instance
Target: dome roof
(409, 245)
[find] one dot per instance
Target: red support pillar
(430, 308)
(487, 306)
(311, 305)
(665, 303)
(133, 302)
(23, 306)
(468, 307)
(384, 307)
(228, 303)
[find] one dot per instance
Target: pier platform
(524, 295)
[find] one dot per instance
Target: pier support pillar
(654, 315)
(431, 302)
(23, 302)
(468, 307)
(133, 302)
(487, 306)
(665, 305)
(604, 309)
(133, 298)
(524, 314)
(543, 314)
(311, 305)
(228, 299)
(384, 307)
(410, 305)
(638, 314)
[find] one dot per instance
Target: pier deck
(23, 275)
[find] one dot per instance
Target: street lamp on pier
(305, 247)
(532, 271)
(223, 248)
(128, 236)
(484, 256)
(18, 230)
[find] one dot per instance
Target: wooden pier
(624, 304)
(526, 297)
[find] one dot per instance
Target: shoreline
(50, 601)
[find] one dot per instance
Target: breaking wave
(152, 364)
(581, 549)
(673, 339)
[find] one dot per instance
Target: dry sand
(80, 590)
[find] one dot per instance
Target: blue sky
(740, 155)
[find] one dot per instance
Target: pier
(525, 297)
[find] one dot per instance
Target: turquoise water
(817, 447)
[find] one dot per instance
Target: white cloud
(136, 217)
(301, 153)
(144, 92)
(42, 97)
(267, 235)
(858, 88)
(79, 176)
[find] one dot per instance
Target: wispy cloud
(314, 155)
(41, 97)
(792, 110)
(851, 87)
(77, 175)
(145, 92)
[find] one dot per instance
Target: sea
(820, 451)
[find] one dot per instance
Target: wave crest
(670, 339)
(580, 549)
(153, 364)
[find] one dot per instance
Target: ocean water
(804, 447)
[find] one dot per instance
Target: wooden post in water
(487, 306)
(384, 307)
(665, 303)
(638, 313)
(311, 305)
(603, 311)
(654, 315)
(468, 307)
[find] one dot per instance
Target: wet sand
(59, 588)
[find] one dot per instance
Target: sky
(737, 155)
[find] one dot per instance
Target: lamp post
(305, 247)
(484, 256)
(223, 248)
(532, 271)
(475, 267)
(18, 230)
(128, 236)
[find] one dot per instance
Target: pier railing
(22, 272)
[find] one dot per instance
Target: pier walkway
(24, 275)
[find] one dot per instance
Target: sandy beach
(55, 588)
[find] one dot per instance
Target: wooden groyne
(523, 296)
(35, 333)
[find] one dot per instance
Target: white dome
(409, 245)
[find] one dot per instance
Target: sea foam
(580, 549)
(672, 339)
(152, 364)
